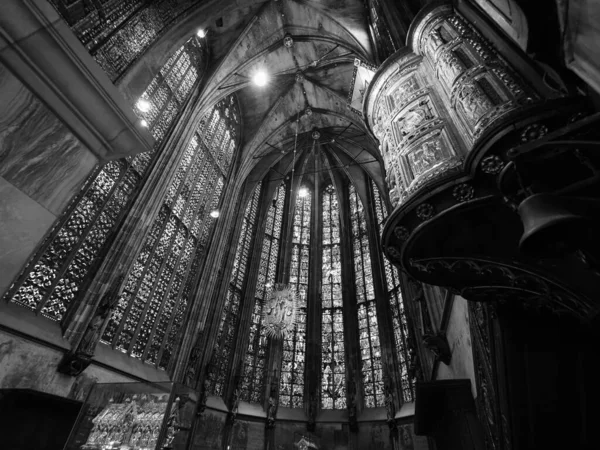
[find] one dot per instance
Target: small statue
(312, 412)
(203, 396)
(271, 412)
(353, 423)
(91, 336)
(235, 402)
(390, 408)
(438, 345)
(75, 362)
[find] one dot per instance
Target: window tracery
(253, 372)
(291, 389)
(60, 269)
(397, 306)
(118, 32)
(368, 329)
(333, 358)
(147, 318)
(231, 311)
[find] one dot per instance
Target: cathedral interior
(299, 224)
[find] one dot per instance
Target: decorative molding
(491, 281)
(41, 50)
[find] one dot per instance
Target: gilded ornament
(288, 41)
(401, 233)
(463, 192)
(280, 311)
(316, 134)
(425, 211)
(492, 164)
(533, 132)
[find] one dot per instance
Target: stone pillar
(314, 345)
(351, 339)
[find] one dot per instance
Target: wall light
(144, 123)
(303, 192)
(143, 105)
(201, 33)
(260, 78)
(214, 213)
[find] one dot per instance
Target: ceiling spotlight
(201, 33)
(144, 123)
(143, 105)
(214, 213)
(260, 78)
(303, 192)
(288, 40)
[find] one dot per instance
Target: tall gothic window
(370, 351)
(147, 319)
(379, 24)
(57, 273)
(333, 362)
(231, 311)
(253, 379)
(118, 32)
(291, 391)
(396, 304)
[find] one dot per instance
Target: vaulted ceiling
(308, 49)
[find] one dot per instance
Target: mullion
(81, 240)
(176, 306)
(167, 290)
(52, 236)
(162, 265)
(190, 236)
(134, 292)
(189, 171)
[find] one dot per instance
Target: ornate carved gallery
(299, 224)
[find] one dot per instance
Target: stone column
(314, 346)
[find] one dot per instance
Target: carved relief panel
(479, 85)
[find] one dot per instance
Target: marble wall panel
(374, 436)
(246, 435)
(288, 434)
(28, 365)
(209, 433)
(23, 224)
(38, 154)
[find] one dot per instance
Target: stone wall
(42, 167)
(25, 364)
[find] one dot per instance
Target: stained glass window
(368, 330)
(253, 378)
(379, 24)
(231, 311)
(57, 273)
(397, 306)
(142, 323)
(118, 32)
(291, 389)
(333, 358)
